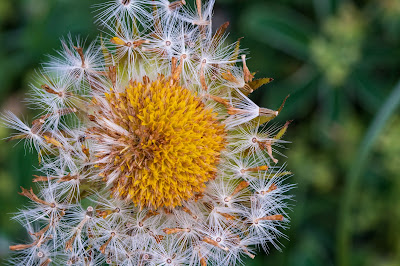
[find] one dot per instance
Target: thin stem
(344, 232)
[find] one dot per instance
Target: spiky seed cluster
(151, 152)
(165, 144)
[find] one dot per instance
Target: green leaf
(282, 28)
(323, 8)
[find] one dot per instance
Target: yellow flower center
(173, 146)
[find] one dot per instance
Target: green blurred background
(340, 62)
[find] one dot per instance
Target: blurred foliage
(338, 59)
(338, 49)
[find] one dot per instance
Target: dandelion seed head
(151, 151)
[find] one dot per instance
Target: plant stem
(344, 231)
